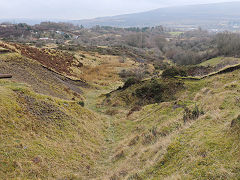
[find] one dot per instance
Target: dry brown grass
(100, 69)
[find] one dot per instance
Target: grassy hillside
(220, 61)
(45, 130)
(42, 136)
(156, 143)
(76, 123)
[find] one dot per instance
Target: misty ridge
(210, 16)
(216, 16)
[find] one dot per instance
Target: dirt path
(93, 98)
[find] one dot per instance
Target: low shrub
(130, 81)
(137, 73)
(155, 91)
(81, 103)
(161, 66)
(173, 71)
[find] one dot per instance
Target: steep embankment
(226, 69)
(45, 131)
(45, 137)
(42, 79)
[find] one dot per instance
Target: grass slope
(45, 137)
(155, 143)
(46, 134)
(220, 61)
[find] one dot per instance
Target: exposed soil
(203, 71)
(223, 71)
(41, 79)
(57, 60)
(199, 70)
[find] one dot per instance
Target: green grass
(177, 33)
(44, 137)
(206, 148)
(215, 61)
(212, 62)
(211, 154)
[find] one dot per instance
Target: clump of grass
(151, 136)
(236, 123)
(119, 156)
(133, 141)
(192, 114)
(112, 112)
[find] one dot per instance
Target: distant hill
(219, 15)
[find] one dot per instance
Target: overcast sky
(82, 9)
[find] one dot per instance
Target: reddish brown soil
(53, 59)
(42, 79)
